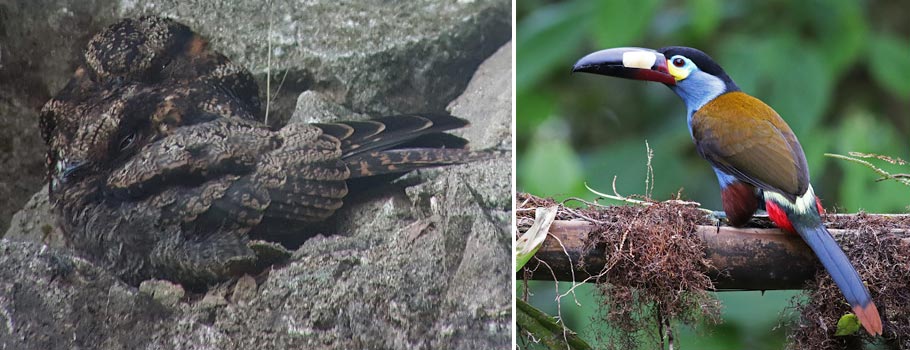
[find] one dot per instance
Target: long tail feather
(403, 160)
(360, 137)
(843, 273)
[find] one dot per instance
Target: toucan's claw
(718, 217)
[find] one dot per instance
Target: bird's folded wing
(751, 142)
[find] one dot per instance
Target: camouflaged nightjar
(159, 165)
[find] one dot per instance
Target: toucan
(754, 153)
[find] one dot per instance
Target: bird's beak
(66, 170)
(627, 62)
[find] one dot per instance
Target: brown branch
(744, 258)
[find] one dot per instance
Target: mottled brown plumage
(159, 165)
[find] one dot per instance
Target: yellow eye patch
(677, 72)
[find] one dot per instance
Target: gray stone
(315, 107)
(35, 223)
(346, 49)
(164, 292)
(244, 289)
(213, 298)
(21, 151)
(42, 41)
(488, 98)
(39, 44)
(52, 300)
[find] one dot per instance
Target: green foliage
(810, 65)
(708, 17)
(890, 63)
(529, 242)
(847, 325)
(550, 164)
(546, 329)
(611, 30)
(837, 71)
(547, 38)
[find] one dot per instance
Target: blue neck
(698, 89)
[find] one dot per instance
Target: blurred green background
(837, 71)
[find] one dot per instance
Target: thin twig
(891, 160)
(558, 316)
(649, 176)
(580, 215)
(618, 197)
(268, 67)
(588, 203)
(881, 172)
(571, 290)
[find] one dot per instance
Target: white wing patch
(804, 204)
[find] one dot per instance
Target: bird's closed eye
(127, 142)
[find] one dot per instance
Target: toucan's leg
(718, 215)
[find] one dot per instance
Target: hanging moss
(655, 272)
(882, 258)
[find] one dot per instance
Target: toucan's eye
(679, 62)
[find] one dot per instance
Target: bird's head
(139, 81)
(87, 140)
(689, 72)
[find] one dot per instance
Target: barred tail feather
(398, 161)
(361, 137)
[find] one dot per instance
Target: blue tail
(843, 273)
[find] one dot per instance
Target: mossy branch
(741, 258)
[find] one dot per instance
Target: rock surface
(34, 223)
(422, 263)
(39, 43)
(345, 49)
(21, 151)
(489, 96)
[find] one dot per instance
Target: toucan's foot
(718, 215)
(718, 218)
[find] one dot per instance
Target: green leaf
(549, 166)
(533, 108)
(620, 23)
(529, 242)
(740, 56)
(890, 63)
(545, 328)
(705, 16)
(847, 325)
(546, 40)
(627, 160)
(860, 132)
(842, 31)
(816, 144)
(800, 86)
(787, 74)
